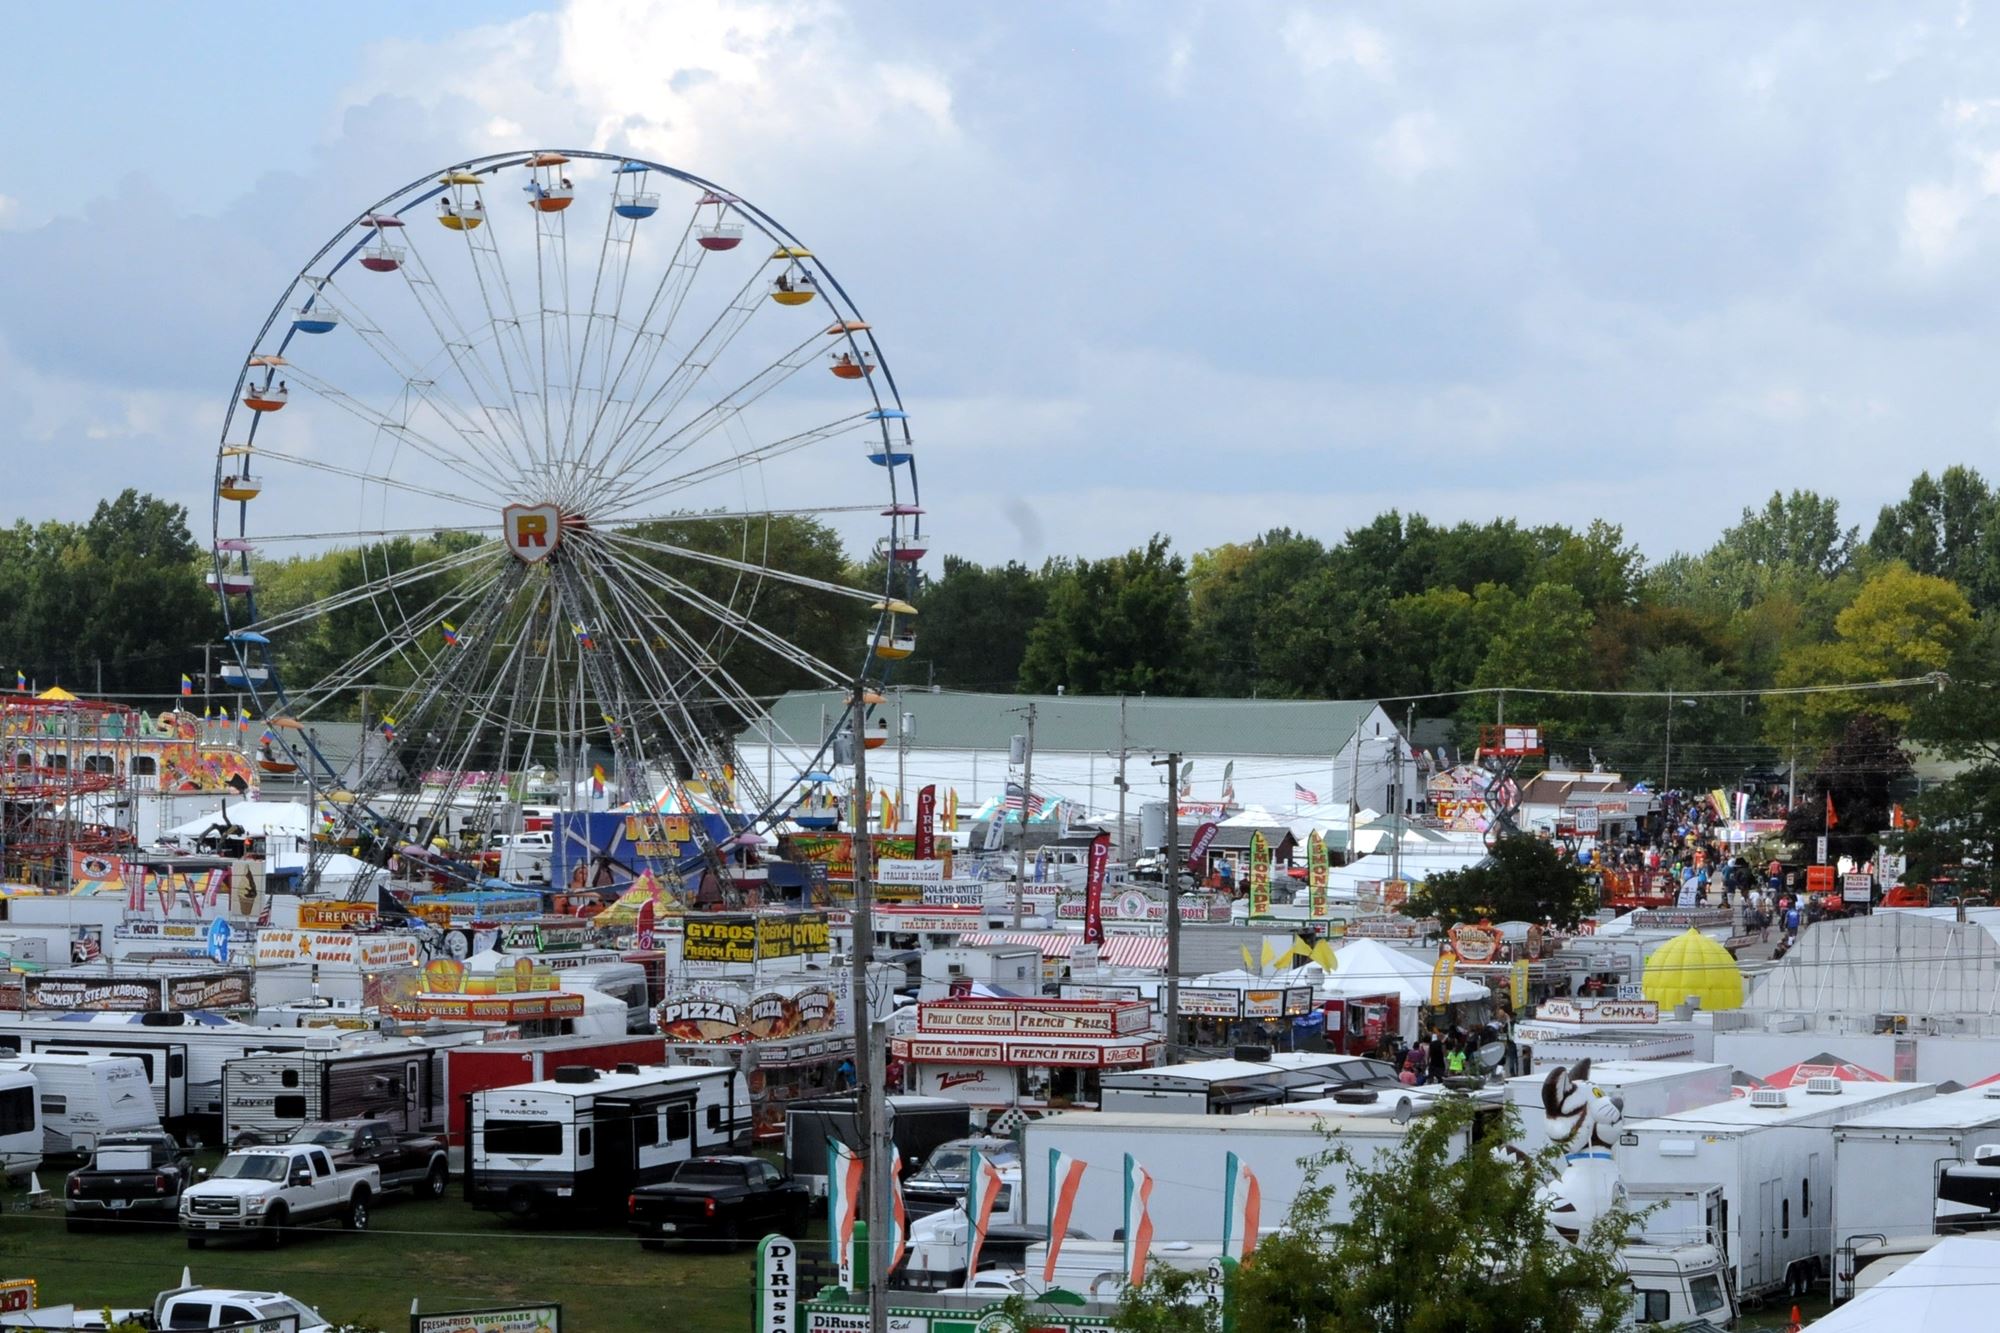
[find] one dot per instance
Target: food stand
(1024, 1055)
(788, 1037)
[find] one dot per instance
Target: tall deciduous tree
(1114, 626)
(1948, 526)
(1524, 879)
(1855, 778)
(975, 627)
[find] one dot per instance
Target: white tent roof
(1369, 967)
(256, 818)
(1953, 1285)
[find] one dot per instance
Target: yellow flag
(1248, 966)
(1322, 953)
(1270, 957)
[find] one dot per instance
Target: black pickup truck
(129, 1178)
(415, 1162)
(722, 1198)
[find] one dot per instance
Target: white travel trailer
(20, 1123)
(85, 1097)
(1772, 1153)
(582, 1140)
(181, 1051)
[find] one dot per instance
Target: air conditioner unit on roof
(1824, 1087)
(1769, 1097)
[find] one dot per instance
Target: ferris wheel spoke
(496, 295)
(486, 530)
(374, 588)
(359, 671)
(643, 419)
(705, 751)
(654, 333)
(474, 474)
(623, 500)
(495, 397)
(372, 479)
(723, 613)
(742, 566)
(481, 440)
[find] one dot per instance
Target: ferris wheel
(559, 418)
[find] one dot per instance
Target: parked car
(415, 1162)
(264, 1191)
(129, 1178)
(727, 1198)
(222, 1307)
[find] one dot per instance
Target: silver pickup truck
(261, 1192)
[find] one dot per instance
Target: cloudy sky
(1198, 268)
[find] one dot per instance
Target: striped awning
(1142, 951)
(1052, 943)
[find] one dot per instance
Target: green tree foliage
(1949, 527)
(1114, 626)
(1860, 772)
(1524, 879)
(976, 620)
(119, 598)
(1426, 1238)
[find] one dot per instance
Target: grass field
(445, 1254)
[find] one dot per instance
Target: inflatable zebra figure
(1581, 1121)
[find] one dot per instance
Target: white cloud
(1415, 144)
(1319, 42)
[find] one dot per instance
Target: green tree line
(1788, 597)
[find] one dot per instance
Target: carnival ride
(561, 427)
(62, 785)
(1501, 750)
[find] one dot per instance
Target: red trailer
(502, 1064)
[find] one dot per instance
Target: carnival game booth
(1027, 1056)
(496, 990)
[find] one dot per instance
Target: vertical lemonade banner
(1316, 875)
(1260, 875)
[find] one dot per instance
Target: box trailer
(503, 1064)
(1234, 1086)
(1186, 1156)
(1643, 1088)
(1772, 1153)
(1887, 1166)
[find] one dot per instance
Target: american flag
(1015, 793)
(1304, 794)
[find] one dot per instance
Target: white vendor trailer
(1643, 1088)
(1772, 1153)
(1886, 1167)
(1186, 1155)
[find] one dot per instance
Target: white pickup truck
(265, 1190)
(191, 1307)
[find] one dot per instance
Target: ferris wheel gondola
(567, 458)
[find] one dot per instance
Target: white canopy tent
(1369, 967)
(256, 818)
(1953, 1285)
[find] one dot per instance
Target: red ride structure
(62, 785)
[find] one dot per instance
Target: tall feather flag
(899, 1217)
(242, 719)
(1065, 1179)
(1138, 1221)
(951, 810)
(843, 1207)
(1832, 817)
(888, 812)
(982, 1188)
(1241, 1207)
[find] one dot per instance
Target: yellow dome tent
(1693, 965)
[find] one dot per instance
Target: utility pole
(1792, 774)
(1354, 790)
(871, 1106)
(1173, 878)
(1027, 793)
(1124, 853)
(902, 752)
(1667, 778)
